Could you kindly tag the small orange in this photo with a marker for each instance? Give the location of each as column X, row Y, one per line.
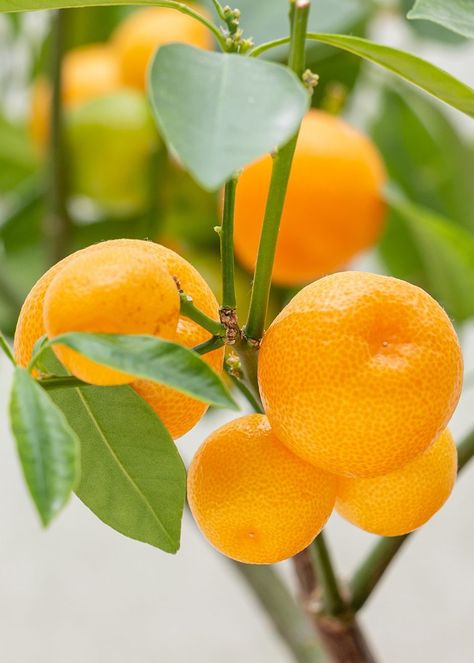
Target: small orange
column 179, row 412
column 87, row 72
column 402, row 501
column 333, row 208
column 121, row 289
column 140, row 34
column 360, row 373
column 252, row 498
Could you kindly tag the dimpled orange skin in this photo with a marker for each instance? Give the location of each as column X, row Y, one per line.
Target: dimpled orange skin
column 119, row 290
column 402, row 501
column 360, row 373
column 255, row 501
column 179, row 412
column 333, row 208
column 88, row 72
column 140, row 34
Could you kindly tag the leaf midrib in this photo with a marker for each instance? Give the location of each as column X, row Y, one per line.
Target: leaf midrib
column 141, row 496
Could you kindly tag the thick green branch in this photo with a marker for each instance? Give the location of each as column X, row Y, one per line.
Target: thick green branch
column 372, row 569
column 227, row 246
column 286, row 616
column 282, row 161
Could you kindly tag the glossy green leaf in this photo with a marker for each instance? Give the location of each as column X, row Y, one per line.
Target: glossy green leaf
column 456, row 15
column 153, row 358
column 47, row 445
column 410, row 67
column 425, row 154
column 429, row 30
column 218, row 112
column 446, row 252
column 133, row 478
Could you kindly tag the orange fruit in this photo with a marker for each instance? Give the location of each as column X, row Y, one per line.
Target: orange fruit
column 179, row 412
column 117, row 290
column 87, row 72
column 360, row 373
column 253, row 499
column 333, row 208
column 402, row 501
column 140, row 34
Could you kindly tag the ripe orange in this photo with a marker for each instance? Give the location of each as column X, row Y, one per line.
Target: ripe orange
column 399, row 502
column 333, row 208
column 252, row 498
column 140, row 34
column 88, row 72
column 119, row 290
column 178, row 412
column 360, row 373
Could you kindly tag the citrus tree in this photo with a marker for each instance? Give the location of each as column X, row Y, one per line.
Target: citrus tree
column 120, row 347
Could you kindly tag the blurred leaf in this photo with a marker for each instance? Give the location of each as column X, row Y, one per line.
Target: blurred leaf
column 153, row 358
column 219, row 112
column 133, row 478
column 34, row 5
column 47, row 446
column 446, row 255
column 17, row 158
column 421, row 73
column 429, row 30
column 425, row 154
column 456, row 15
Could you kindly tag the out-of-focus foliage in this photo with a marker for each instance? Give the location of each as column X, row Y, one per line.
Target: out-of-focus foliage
column 456, row 15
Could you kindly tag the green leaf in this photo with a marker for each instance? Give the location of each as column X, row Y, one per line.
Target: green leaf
column 456, row 15
column 425, row 154
column 446, row 252
column 133, row 478
column 219, row 112
column 33, row 5
column 421, row 73
column 47, row 446
column 153, row 358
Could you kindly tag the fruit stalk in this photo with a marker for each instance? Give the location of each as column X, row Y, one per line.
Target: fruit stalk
column 57, row 221
column 282, row 161
column 285, row 614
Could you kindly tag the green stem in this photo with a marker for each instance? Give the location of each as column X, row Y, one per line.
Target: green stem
column 372, row 569
column 277, row 192
column 227, row 246
column 284, row 613
column 57, row 222
column 247, row 393
column 6, row 349
column 211, row 344
column 333, row 603
column 189, row 310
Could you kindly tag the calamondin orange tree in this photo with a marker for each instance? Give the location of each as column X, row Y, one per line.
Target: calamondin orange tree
column 121, row 346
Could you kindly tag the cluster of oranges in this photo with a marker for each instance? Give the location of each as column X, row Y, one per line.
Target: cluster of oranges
column 359, row 375
column 122, row 287
column 110, row 135
column 96, row 70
